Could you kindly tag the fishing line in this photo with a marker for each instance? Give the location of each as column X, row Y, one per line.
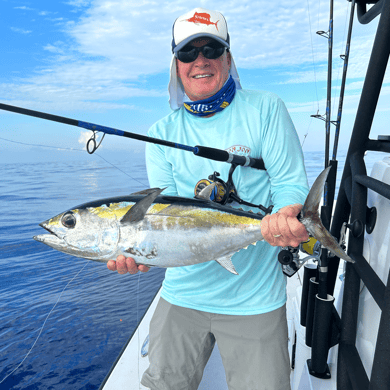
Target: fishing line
column 43, row 146
column 312, row 53
column 341, row 63
column 138, row 348
column 198, row 150
column 143, row 184
column 308, row 128
column 74, row 277
column 315, row 75
column 71, row 149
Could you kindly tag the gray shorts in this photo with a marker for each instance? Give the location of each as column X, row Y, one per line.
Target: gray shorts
column 253, row 349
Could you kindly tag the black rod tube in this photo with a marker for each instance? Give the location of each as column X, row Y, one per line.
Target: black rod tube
column 201, row 151
column 323, row 274
column 313, row 290
column 321, row 333
column 309, row 271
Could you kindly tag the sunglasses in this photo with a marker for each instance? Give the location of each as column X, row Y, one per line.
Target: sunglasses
column 211, row 51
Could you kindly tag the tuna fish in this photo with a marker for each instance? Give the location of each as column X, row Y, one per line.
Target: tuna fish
column 169, row 231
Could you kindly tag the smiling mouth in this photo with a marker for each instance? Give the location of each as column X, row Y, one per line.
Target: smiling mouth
column 202, row 76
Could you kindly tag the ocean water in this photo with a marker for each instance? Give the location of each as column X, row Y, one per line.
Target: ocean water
column 99, row 310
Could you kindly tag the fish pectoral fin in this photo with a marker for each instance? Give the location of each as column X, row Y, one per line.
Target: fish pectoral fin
column 226, row 263
column 205, row 194
column 253, row 244
column 138, row 211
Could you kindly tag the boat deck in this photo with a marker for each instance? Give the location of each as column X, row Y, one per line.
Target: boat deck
column 127, row 371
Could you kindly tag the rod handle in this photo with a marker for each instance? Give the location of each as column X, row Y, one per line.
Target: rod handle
column 224, row 156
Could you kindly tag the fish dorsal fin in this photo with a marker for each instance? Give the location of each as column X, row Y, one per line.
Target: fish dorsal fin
column 226, row 263
column 146, row 191
column 206, row 192
column 138, row 211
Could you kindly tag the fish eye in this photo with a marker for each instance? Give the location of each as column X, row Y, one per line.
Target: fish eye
column 68, row 220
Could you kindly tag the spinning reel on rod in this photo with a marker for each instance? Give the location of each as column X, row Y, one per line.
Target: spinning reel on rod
column 225, row 192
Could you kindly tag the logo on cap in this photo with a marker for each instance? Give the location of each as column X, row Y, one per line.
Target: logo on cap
column 202, row 18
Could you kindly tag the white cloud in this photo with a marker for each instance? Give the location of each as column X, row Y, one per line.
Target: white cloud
column 21, row 30
column 78, row 3
column 114, row 44
column 53, row 48
column 23, row 7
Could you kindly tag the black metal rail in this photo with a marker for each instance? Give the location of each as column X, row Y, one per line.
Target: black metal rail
column 352, row 206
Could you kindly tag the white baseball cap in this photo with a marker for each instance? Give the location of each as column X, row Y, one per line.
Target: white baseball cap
column 197, row 23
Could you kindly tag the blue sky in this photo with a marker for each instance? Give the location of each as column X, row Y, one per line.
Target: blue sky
column 107, row 62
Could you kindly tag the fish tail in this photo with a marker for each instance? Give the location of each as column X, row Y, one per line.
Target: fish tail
column 310, row 218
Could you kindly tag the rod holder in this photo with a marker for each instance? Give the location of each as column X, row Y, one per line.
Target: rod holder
column 313, row 290
column 309, row 271
column 317, row 365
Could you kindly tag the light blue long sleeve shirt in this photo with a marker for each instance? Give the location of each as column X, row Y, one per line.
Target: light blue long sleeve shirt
column 255, row 124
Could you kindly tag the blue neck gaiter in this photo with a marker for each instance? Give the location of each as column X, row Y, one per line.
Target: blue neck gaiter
column 214, row 103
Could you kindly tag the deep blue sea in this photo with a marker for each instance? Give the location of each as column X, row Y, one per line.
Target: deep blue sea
column 99, row 309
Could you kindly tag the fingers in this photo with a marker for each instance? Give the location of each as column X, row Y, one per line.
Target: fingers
column 125, row 265
column 111, row 265
column 283, row 228
column 292, row 210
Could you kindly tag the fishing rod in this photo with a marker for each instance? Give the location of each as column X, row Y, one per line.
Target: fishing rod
column 345, row 58
column 324, row 318
column 325, row 217
column 330, row 185
column 329, row 36
column 198, row 150
column 331, row 180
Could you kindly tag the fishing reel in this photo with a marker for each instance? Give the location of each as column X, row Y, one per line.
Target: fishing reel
column 290, row 260
column 222, row 191
column 225, row 192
